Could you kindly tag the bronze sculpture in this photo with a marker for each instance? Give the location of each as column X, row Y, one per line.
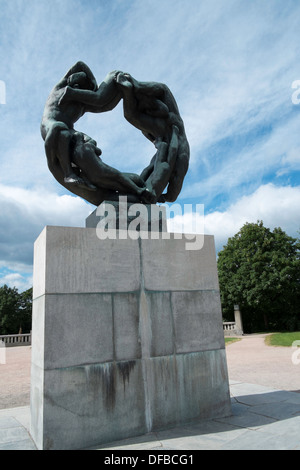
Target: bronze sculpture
column 74, row 158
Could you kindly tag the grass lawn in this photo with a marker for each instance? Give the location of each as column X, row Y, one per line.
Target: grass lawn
column 282, row 339
column 231, row 340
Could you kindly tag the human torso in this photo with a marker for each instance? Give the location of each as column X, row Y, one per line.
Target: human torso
column 68, row 113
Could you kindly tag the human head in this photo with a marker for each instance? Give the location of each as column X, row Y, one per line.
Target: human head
column 82, row 81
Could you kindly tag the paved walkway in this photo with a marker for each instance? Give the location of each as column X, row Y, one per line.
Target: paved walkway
column 251, row 361
column 265, row 407
column 15, row 376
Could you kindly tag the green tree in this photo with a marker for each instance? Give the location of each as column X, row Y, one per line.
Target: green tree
column 25, row 311
column 260, row 270
column 15, row 310
column 9, row 307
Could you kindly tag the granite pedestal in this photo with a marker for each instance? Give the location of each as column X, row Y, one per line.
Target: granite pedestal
column 127, row 337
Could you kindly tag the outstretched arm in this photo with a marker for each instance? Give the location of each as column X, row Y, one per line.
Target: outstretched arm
column 149, row 88
column 105, row 98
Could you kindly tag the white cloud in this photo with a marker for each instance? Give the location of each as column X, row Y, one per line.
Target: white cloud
column 24, row 213
column 251, row 163
column 275, row 206
column 290, row 162
column 16, row 274
column 15, row 279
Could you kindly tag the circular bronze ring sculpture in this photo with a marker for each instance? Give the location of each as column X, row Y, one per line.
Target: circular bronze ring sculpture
column 74, row 157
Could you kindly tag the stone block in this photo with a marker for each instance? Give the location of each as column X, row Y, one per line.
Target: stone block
column 126, row 326
column 79, row 329
column 127, row 337
column 197, row 321
column 39, row 330
column 161, row 331
column 169, row 266
column 89, row 404
column 188, row 387
column 78, row 262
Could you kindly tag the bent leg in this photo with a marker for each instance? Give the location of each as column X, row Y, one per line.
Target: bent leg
column 176, row 181
column 164, row 164
column 148, row 170
column 105, row 176
column 64, row 153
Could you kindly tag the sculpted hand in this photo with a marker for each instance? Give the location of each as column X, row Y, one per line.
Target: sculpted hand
column 124, row 80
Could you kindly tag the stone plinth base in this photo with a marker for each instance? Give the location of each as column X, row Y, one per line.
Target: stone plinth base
column 127, row 338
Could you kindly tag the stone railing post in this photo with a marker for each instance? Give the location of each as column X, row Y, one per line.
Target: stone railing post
column 238, row 320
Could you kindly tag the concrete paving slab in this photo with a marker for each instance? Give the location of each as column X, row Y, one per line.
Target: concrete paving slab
column 248, row 420
column 279, row 411
column 14, row 432
column 252, row 440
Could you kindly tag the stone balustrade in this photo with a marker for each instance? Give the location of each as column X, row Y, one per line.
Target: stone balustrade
column 16, row 340
column 229, row 326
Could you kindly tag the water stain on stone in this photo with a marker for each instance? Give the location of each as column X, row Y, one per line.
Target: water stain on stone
column 102, row 381
column 124, row 368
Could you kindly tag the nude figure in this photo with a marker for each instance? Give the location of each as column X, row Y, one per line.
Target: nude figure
column 151, row 107
column 74, row 157
column 57, row 125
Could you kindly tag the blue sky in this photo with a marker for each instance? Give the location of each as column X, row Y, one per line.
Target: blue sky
column 230, row 65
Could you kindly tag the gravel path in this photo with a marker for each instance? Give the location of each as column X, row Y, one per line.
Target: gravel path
column 251, row 361
column 15, row 377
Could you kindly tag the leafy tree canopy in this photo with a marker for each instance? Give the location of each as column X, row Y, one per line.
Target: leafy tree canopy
column 259, row 269
column 15, row 310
